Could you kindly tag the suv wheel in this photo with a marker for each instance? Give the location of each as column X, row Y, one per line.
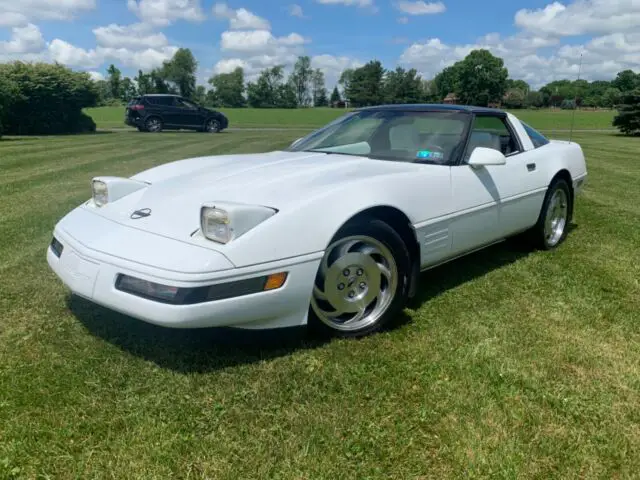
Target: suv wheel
column 212, row 126
column 153, row 124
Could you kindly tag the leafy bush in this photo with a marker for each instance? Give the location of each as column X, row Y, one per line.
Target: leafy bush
column 8, row 92
column 47, row 99
column 628, row 118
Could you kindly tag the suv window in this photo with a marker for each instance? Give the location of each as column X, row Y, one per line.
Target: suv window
column 491, row 132
column 536, row 137
column 182, row 103
column 160, row 100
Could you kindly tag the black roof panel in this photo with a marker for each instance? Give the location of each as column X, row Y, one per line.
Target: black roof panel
column 442, row 107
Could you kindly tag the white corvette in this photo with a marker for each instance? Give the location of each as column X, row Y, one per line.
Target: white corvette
column 331, row 232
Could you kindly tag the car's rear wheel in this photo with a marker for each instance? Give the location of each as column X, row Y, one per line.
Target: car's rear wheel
column 362, row 281
column 212, row 126
column 553, row 224
column 153, row 124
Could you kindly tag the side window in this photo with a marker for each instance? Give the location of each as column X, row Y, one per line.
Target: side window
column 182, row 103
column 491, row 132
column 536, row 137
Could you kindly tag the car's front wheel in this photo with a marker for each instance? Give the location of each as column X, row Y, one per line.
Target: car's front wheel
column 362, row 281
column 212, row 126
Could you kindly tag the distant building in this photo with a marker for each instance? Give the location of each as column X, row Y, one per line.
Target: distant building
column 451, row 99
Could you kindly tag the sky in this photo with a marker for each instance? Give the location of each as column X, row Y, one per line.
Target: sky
column 539, row 40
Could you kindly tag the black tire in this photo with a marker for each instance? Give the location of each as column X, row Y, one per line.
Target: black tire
column 385, row 235
column 153, row 124
column 141, row 129
column 539, row 235
column 212, row 125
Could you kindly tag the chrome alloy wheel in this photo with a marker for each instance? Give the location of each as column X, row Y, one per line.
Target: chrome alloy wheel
column 556, row 217
column 213, row 126
column 154, row 125
column 356, row 283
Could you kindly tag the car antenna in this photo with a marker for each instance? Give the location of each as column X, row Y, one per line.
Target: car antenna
column 575, row 102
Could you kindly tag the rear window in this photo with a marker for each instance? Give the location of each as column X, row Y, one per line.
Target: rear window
column 536, row 137
column 134, row 101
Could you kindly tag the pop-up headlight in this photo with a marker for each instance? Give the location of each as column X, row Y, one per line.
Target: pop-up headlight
column 225, row 222
column 109, row 189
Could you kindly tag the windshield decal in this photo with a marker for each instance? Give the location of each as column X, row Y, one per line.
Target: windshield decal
column 428, row 154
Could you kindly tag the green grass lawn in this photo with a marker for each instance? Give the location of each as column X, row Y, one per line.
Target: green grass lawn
column 509, row 364
column 308, row 118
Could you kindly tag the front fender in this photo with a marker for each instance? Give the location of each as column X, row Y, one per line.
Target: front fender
column 307, row 226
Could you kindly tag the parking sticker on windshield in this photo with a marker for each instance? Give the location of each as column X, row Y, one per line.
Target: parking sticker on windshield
column 428, row 154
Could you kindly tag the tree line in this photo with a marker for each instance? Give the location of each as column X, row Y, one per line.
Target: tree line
column 481, row 78
column 49, row 98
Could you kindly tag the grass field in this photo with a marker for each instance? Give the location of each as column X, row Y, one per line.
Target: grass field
column 112, row 117
column 509, row 364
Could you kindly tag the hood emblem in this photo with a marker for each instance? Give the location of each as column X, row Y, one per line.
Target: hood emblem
column 145, row 212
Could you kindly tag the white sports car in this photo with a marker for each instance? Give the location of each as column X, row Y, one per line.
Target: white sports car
column 331, row 232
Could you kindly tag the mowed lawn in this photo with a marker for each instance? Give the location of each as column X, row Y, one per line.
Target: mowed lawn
column 309, row 118
column 510, row 364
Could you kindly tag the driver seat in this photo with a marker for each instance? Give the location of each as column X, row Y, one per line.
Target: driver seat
column 404, row 136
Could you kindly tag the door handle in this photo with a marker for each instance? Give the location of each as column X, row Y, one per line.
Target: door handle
column 531, row 167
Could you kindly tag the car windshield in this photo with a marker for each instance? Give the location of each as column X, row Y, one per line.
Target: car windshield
column 396, row 135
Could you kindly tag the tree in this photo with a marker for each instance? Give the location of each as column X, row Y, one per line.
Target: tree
column 446, row 81
column 519, row 84
column 335, row 96
column 9, row 92
column 286, row 96
column 611, row 97
column 628, row 118
column 145, row 85
column 429, row 92
column 514, row 98
column 345, row 79
column 366, row 85
column 534, row 99
column 115, row 81
column 46, row 99
column 181, row 71
column 128, row 90
column 482, row 78
column 319, row 92
column 228, row 89
column 626, row 81
column 402, row 86
column 301, row 79
column 200, row 97
column 266, row 91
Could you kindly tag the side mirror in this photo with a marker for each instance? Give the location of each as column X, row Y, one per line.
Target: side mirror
column 482, row 156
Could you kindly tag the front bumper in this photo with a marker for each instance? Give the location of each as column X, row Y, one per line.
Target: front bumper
column 93, row 275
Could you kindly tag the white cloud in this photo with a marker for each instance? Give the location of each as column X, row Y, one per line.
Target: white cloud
column 296, row 11
column 96, row 75
column 68, row 54
column 333, row 66
column 581, row 17
column 420, row 7
column 403, row 20
column 20, row 12
column 136, row 36
column 27, row 39
column 356, row 3
column 165, row 12
column 258, row 42
column 241, row 19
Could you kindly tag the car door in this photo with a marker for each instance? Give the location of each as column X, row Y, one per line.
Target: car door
column 493, row 201
column 187, row 113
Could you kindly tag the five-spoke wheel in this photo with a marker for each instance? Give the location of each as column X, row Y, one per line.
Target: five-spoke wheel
column 361, row 279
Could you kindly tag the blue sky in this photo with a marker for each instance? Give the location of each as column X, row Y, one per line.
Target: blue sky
column 540, row 40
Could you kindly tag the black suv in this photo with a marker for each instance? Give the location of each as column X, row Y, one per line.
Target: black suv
column 154, row 112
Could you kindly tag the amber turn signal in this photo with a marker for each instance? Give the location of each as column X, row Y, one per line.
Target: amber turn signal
column 275, row 280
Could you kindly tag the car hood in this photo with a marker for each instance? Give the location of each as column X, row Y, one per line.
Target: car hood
column 281, row 180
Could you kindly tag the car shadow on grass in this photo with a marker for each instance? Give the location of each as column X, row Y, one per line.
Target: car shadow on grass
column 209, row 349
column 189, row 350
